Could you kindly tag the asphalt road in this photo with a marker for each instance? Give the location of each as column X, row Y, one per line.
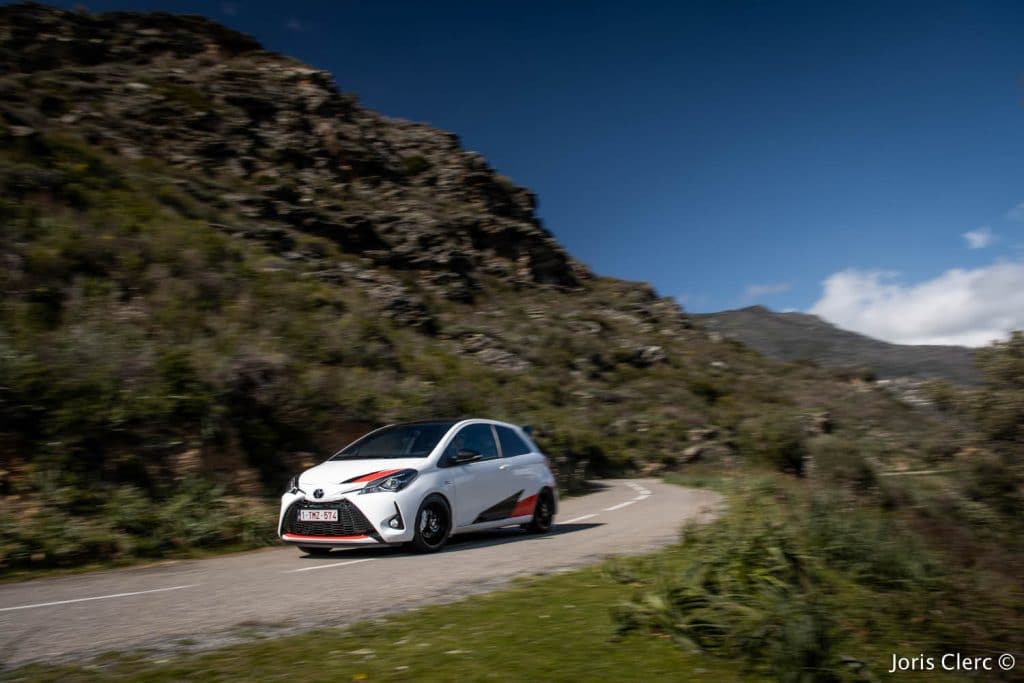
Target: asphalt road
column 182, row 605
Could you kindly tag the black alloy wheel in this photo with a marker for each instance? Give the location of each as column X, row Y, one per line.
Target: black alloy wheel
column 543, row 513
column 433, row 524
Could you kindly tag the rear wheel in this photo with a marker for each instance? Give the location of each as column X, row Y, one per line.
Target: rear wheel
column 315, row 550
column 543, row 513
column 433, row 524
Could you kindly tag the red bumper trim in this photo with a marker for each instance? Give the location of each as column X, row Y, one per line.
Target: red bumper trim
column 323, row 539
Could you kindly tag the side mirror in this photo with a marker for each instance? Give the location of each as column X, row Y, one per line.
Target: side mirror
column 466, row 455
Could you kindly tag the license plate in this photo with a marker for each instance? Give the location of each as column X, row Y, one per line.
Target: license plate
column 318, row 515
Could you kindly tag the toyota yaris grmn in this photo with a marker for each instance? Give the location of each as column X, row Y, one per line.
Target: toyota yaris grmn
column 419, row 483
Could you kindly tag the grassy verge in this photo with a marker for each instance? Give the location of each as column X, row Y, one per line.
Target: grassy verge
column 719, row 478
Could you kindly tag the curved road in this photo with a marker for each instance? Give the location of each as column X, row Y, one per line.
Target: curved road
column 190, row 604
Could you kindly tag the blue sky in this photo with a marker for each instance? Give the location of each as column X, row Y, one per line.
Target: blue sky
column 824, row 156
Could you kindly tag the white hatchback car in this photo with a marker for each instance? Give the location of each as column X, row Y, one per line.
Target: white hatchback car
column 419, row 483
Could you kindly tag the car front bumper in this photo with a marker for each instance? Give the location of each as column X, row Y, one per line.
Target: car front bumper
column 363, row 519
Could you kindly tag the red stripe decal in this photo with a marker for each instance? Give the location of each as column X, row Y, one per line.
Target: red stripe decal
column 372, row 475
column 328, row 539
column 524, row 507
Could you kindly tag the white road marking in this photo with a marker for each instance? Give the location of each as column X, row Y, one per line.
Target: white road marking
column 638, row 488
column 578, row 519
column 644, row 496
column 619, row 506
column 328, row 566
column 98, row 597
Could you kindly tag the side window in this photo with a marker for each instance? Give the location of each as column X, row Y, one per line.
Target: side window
column 511, row 443
column 477, row 438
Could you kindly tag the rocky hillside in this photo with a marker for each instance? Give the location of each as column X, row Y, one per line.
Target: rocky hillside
column 217, row 267
column 210, row 102
column 799, row 336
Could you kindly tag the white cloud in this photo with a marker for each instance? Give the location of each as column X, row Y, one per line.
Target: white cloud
column 1016, row 213
column 295, row 25
column 966, row 307
column 755, row 291
column 980, row 238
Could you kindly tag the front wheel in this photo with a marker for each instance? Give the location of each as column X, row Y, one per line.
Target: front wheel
column 315, row 550
column 543, row 513
column 433, row 524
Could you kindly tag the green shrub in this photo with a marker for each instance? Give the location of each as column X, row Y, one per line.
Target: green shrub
column 505, row 183
column 190, row 97
column 129, row 524
column 414, row 165
column 707, row 390
column 998, row 408
column 841, row 460
column 762, row 584
column 995, row 482
column 776, row 440
column 751, row 591
column 943, row 395
column 194, row 517
column 867, row 546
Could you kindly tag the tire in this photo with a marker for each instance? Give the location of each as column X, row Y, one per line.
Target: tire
column 315, row 550
column 433, row 524
column 543, row 513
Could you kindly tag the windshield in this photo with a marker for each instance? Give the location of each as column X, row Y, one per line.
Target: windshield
column 396, row 441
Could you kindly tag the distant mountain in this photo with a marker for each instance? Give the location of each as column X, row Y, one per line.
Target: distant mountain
column 800, row 336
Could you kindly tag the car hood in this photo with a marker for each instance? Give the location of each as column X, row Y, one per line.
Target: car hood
column 350, row 474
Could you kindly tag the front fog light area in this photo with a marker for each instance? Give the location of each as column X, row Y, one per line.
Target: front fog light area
column 395, row 521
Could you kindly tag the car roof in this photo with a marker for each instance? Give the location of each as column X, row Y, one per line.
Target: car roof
column 451, row 422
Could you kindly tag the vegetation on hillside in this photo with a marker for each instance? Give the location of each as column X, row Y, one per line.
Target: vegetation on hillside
column 144, row 347
column 798, row 570
column 808, row 581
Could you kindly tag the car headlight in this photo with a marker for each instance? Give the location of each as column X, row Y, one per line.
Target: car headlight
column 390, row 483
column 293, row 485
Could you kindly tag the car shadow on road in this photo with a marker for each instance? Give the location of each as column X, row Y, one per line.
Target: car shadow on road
column 468, row 541
column 585, row 488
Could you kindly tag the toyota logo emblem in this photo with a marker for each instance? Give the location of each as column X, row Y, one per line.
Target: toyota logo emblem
column 319, row 493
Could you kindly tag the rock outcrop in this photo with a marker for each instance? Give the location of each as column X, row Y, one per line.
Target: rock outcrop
column 190, row 93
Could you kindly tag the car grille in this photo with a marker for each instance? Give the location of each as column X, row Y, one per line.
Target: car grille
column 351, row 522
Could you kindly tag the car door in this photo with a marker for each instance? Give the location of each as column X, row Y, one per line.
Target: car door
column 483, row 487
column 523, row 466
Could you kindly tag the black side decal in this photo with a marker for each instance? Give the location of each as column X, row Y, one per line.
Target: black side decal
column 500, row 510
